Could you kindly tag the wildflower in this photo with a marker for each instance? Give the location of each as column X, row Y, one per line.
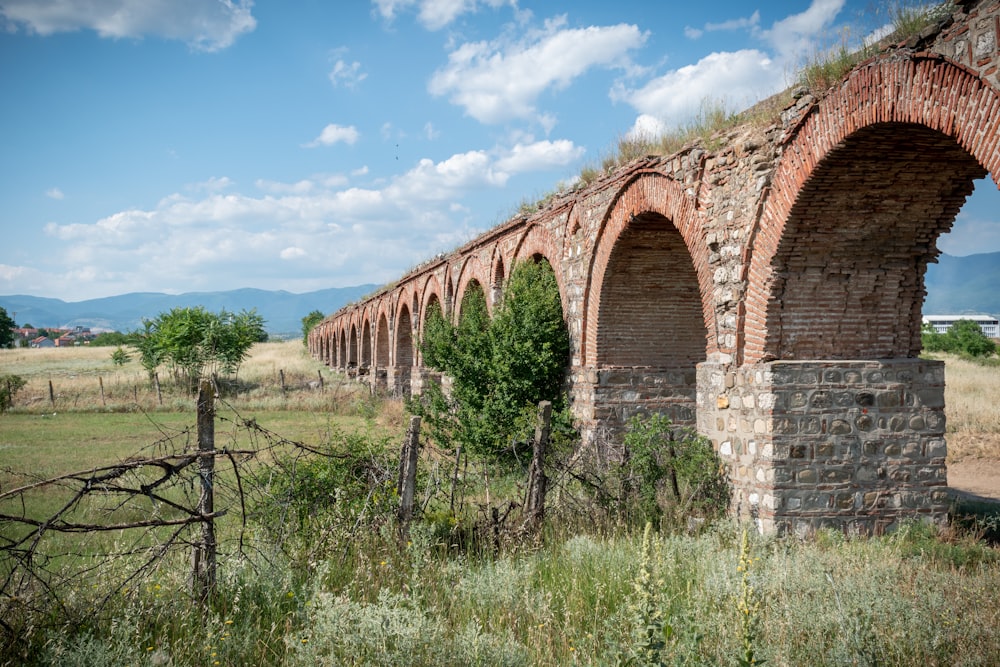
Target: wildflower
column 291, row 594
column 229, row 621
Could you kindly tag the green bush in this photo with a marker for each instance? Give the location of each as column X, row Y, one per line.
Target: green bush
column 670, row 472
column 9, row 386
column 500, row 368
column 964, row 337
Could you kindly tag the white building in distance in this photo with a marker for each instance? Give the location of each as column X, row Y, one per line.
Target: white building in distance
column 941, row 323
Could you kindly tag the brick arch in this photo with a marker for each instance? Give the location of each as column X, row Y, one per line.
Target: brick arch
column 342, row 359
column 870, row 179
column 473, row 271
column 404, row 353
column 430, row 291
column 653, row 220
column 365, row 352
column 498, row 277
column 353, row 346
column 381, row 358
column 539, row 242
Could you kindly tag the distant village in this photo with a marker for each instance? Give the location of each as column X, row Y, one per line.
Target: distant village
column 32, row 337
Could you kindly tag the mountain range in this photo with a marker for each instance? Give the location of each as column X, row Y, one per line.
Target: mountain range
column 955, row 286
column 281, row 310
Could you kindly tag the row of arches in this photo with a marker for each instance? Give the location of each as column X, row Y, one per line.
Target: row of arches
column 831, row 267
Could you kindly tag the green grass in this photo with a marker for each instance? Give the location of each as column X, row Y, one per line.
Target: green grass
column 336, row 584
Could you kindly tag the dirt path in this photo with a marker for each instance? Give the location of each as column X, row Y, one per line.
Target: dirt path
column 977, row 478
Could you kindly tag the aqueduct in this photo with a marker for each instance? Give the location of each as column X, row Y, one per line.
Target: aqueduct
column 767, row 291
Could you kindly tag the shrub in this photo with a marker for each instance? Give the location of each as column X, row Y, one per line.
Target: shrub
column 668, row 470
column 9, row 386
column 500, row 368
column 964, row 337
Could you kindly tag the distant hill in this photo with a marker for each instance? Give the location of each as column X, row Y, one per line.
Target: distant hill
column 964, row 285
column 955, row 286
column 282, row 311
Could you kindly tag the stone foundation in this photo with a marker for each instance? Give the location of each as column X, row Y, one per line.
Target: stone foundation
column 851, row 445
column 605, row 399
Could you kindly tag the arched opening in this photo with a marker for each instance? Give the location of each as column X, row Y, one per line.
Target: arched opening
column 473, row 299
column 352, row 350
column 382, row 342
column 650, row 330
column 365, row 361
column 650, row 308
column 343, row 360
column 496, row 287
column 404, row 356
column 848, row 273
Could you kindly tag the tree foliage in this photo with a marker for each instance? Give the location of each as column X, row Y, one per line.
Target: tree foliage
column 964, row 337
column 193, row 342
column 309, row 322
column 7, row 327
column 500, row 368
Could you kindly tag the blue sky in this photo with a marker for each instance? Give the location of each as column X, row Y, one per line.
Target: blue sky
column 200, row 145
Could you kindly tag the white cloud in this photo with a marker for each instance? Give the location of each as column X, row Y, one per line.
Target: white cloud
column 55, row 193
column 540, row 156
column 735, row 24
column 501, row 80
column 435, row 14
column 276, row 187
column 796, row 35
column 348, row 74
column 213, row 184
column 293, row 252
column 206, row 25
column 300, row 234
column 333, row 133
column 677, row 96
column 745, row 76
column 430, row 132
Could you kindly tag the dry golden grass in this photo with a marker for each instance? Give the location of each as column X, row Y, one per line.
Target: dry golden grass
column 971, row 393
column 77, row 375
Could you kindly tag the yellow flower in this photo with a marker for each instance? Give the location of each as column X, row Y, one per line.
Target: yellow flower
column 229, row 622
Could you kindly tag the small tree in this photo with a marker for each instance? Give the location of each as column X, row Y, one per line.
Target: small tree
column 309, row 322
column 120, row 356
column 194, row 342
column 500, row 369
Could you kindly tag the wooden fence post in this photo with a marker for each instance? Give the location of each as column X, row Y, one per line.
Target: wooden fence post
column 535, row 502
column 156, row 383
column 100, row 381
column 454, row 476
column 408, row 472
column 52, row 394
column 203, row 557
column 281, row 376
column 321, row 384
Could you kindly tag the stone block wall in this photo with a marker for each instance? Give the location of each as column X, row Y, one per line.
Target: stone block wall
column 852, row 445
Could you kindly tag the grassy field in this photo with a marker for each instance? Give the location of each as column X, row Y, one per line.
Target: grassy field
column 324, row 578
